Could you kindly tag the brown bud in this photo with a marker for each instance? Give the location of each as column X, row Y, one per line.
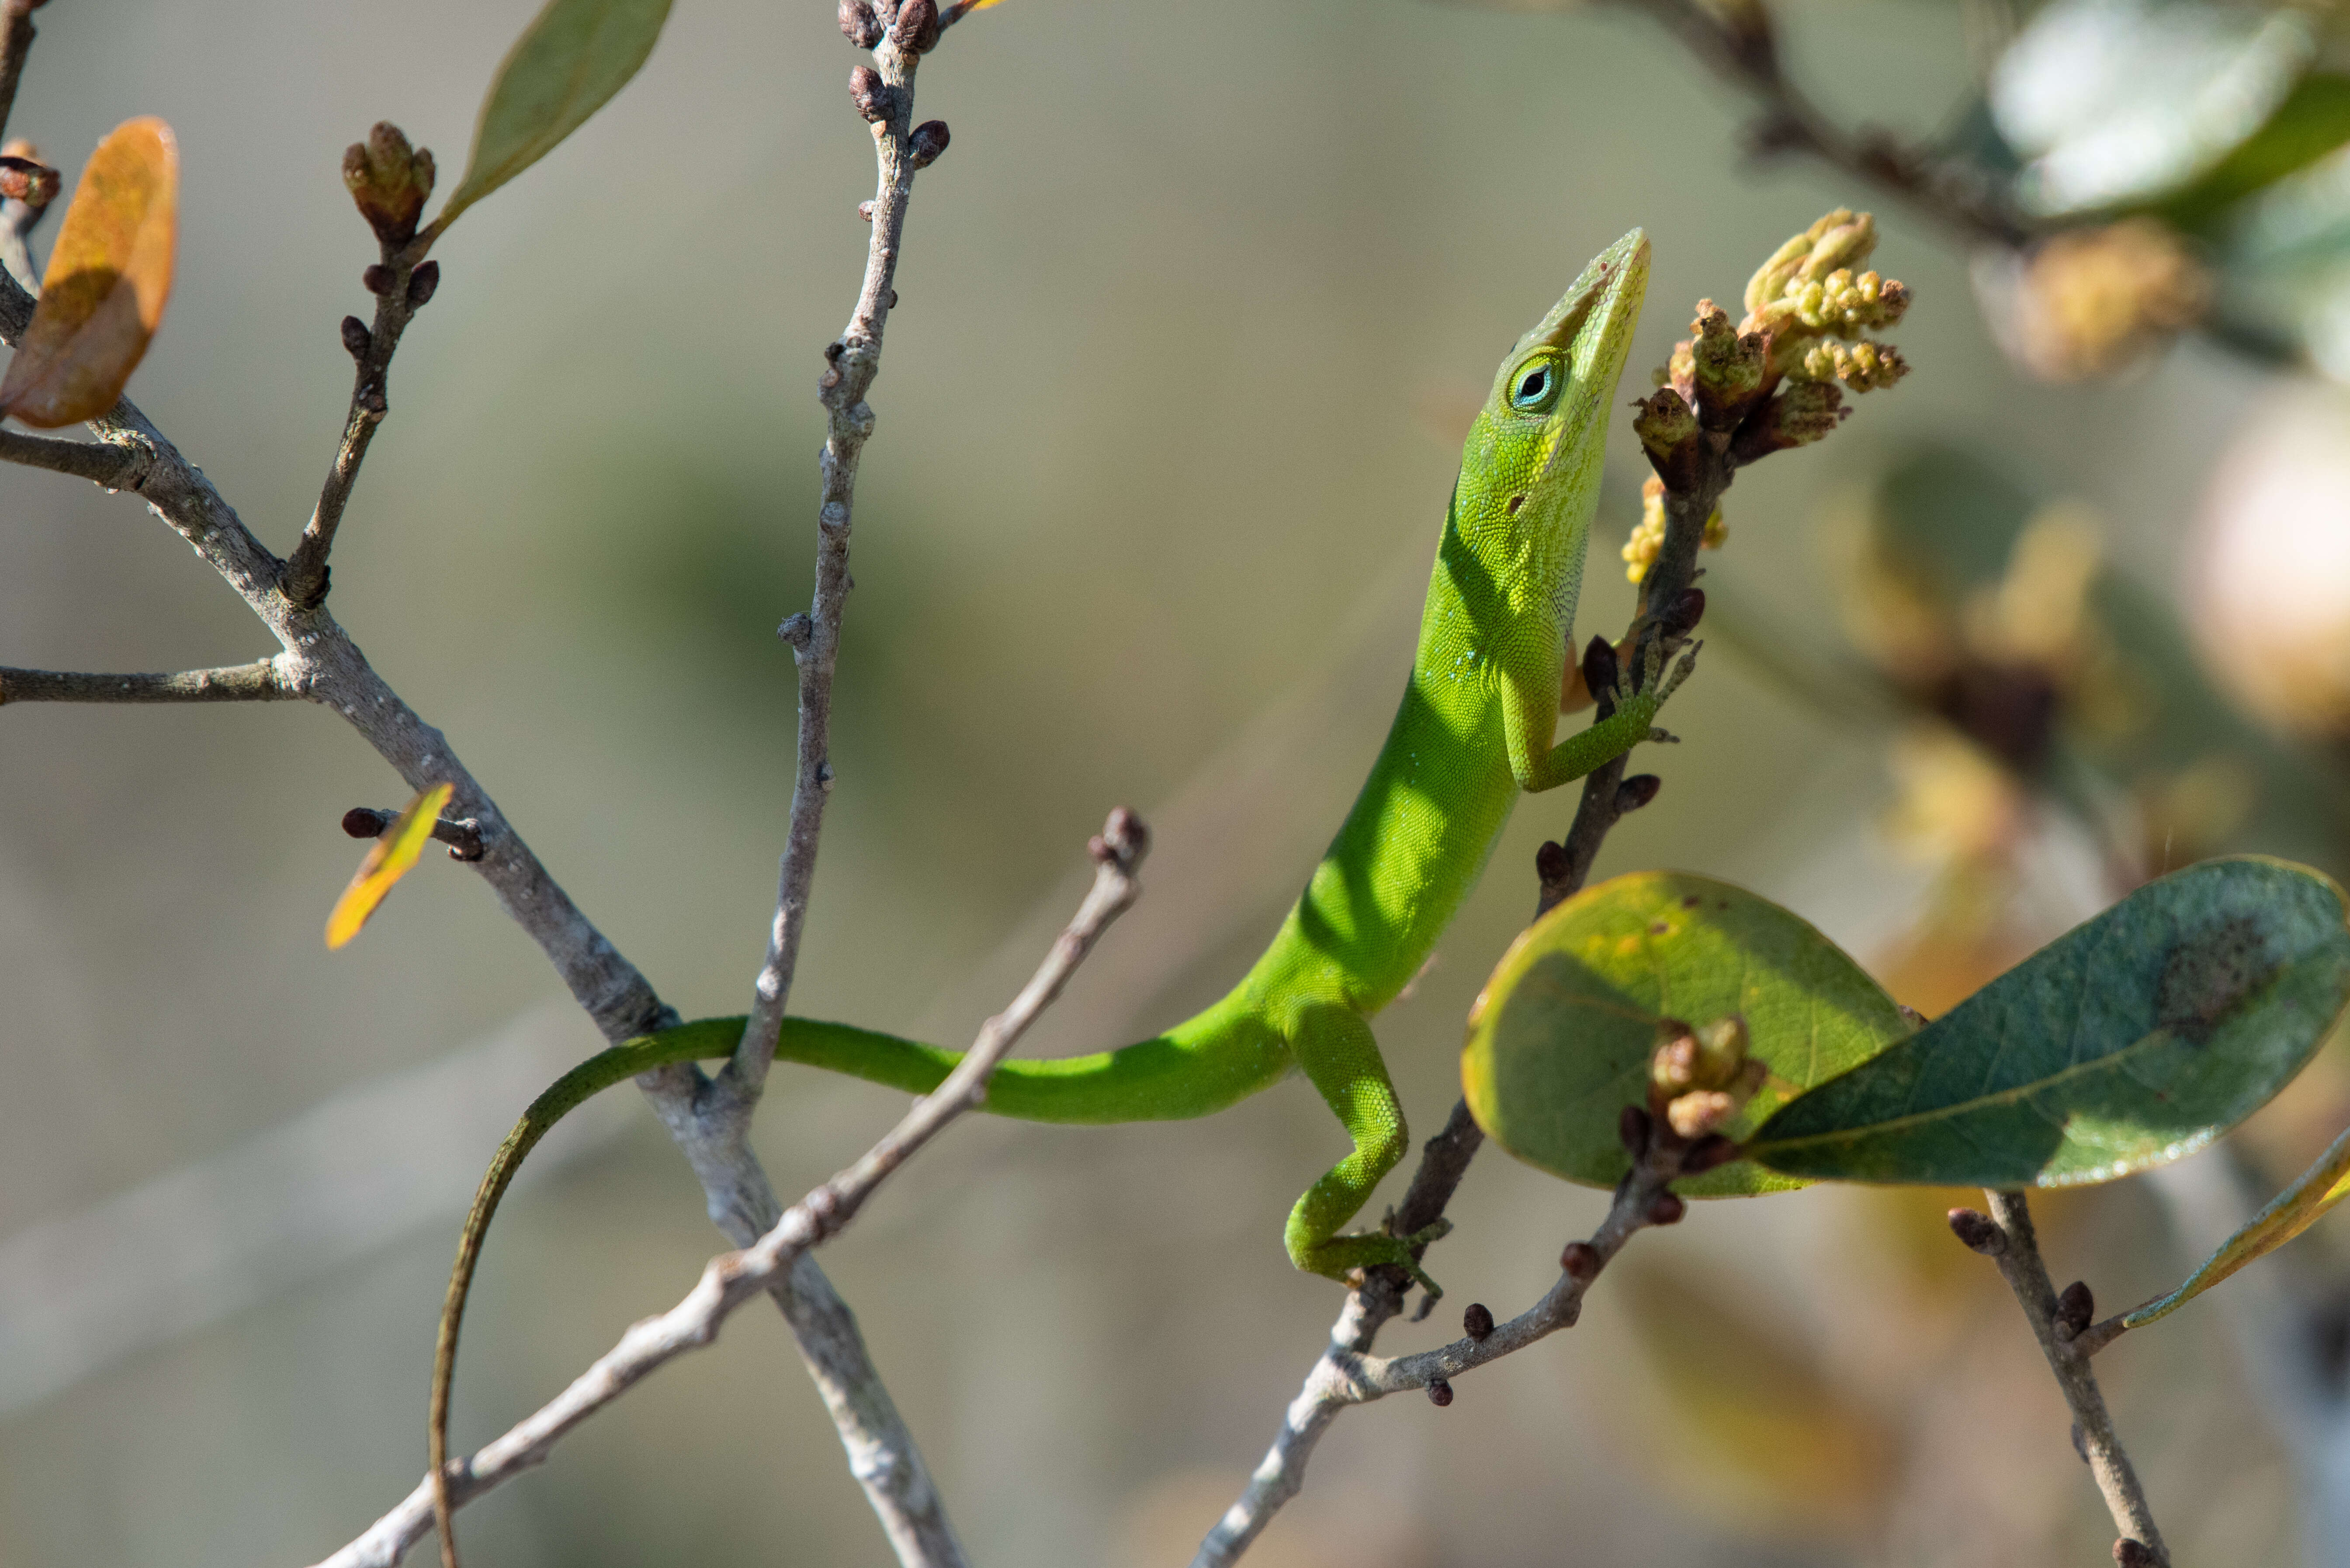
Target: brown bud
column 361, row 823
column 930, row 140
column 1979, row 1231
column 859, row 23
column 1600, row 672
column 1477, row 1321
column 865, row 210
column 377, row 278
column 1440, row 1393
column 1707, row 1153
column 1637, row 791
column 1667, row 1210
column 1634, row 1128
column 2074, row 1307
column 23, row 180
column 422, row 284
column 2129, row 1553
column 389, row 180
column 1681, row 617
column 1580, row 1260
column 916, row 30
column 873, row 97
column 1727, row 368
column 1801, row 414
column 356, row 338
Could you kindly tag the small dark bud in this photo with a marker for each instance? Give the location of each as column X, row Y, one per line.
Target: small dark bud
column 865, row 210
column 1708, row 1152
column 371, row 398
column 1124, row 839
column 798, row 630
column 360, row 823
column 1550, row 862
column 858, row 24
column 356, row 338
column 2131, row 1553
column 1668, row 1208
column 1440, row 1393
column 1599, row 670
column 834, row 350
column 2074, row 1307
column 23, row 180
column 377, row 280
column 1477, row 1322
column 1637, row 791
column 1687, row 610
column 1580, row 1260
column 916, row 30
column 1979, row 1231
column 870, row 94
column 930, row 140
column 424, row 284
column 1634, row 1128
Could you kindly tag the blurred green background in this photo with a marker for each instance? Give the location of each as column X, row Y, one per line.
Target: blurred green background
column 1190, row 315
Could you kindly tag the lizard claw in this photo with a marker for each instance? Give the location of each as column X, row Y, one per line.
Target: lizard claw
column 1681, row 671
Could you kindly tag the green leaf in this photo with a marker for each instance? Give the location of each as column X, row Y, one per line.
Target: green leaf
column 2127, row 1042
column 571, row 60
column 1560, row 1041
column 2291, row 1212
column 2313, row 120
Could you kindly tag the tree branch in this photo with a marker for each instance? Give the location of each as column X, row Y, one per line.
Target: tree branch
column 16, row 43
column 852, row 361
column 1739, row 44
column 734, row 1278
column 260, row 681
column 1346, row 1373
column 2016, row 1247
column 115, row 467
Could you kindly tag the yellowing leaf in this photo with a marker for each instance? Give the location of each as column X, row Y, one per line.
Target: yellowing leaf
column 386, row 863
column 2293, row 1211
column 567, row 64
column 109, row 276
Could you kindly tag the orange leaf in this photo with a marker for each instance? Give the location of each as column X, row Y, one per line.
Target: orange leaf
column 103, row 296
column 387, row 863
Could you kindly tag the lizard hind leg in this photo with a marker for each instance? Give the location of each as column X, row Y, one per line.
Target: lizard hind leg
column 1335, row 1048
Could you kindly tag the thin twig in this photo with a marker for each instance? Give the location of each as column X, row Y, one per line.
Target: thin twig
column 400, row 294
column 260, row 681
column 1346, row 1373
column 462, row 835
column 115, row 467
column 2020, row 1264
column 1739, row 44
column 852, row 361
column 734, row 1278
column 16, row 43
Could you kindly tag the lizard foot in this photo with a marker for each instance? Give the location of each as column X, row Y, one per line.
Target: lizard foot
column 1345, row 1258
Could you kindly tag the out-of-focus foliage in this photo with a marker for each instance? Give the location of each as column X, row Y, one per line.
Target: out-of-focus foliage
column 2130, row 1041
column 102, row 297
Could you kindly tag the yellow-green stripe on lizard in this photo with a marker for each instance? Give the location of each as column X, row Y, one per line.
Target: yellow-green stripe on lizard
column 1474, row 730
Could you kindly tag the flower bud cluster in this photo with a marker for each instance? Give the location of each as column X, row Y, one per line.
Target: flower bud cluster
column 1648, row 540
column 1700, row 1078
column 1809, row 290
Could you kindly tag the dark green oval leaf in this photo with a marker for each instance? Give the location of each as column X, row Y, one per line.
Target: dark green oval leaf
column 2127, row 1042
column 1560, row 1041
column 567, row 64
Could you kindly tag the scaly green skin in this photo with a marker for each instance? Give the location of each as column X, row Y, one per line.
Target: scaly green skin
column 1474, row 731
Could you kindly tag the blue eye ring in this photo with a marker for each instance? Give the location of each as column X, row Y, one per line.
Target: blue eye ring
column 1534, row 385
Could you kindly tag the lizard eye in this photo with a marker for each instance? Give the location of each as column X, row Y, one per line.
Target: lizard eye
column 1536, row 388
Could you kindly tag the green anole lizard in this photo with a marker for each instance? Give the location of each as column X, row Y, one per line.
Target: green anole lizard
column 1474, row 730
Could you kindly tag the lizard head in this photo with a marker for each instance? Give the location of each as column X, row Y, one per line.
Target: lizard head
column 1529, row 471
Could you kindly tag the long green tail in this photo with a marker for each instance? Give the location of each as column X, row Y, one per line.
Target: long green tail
column 1214, row 1060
